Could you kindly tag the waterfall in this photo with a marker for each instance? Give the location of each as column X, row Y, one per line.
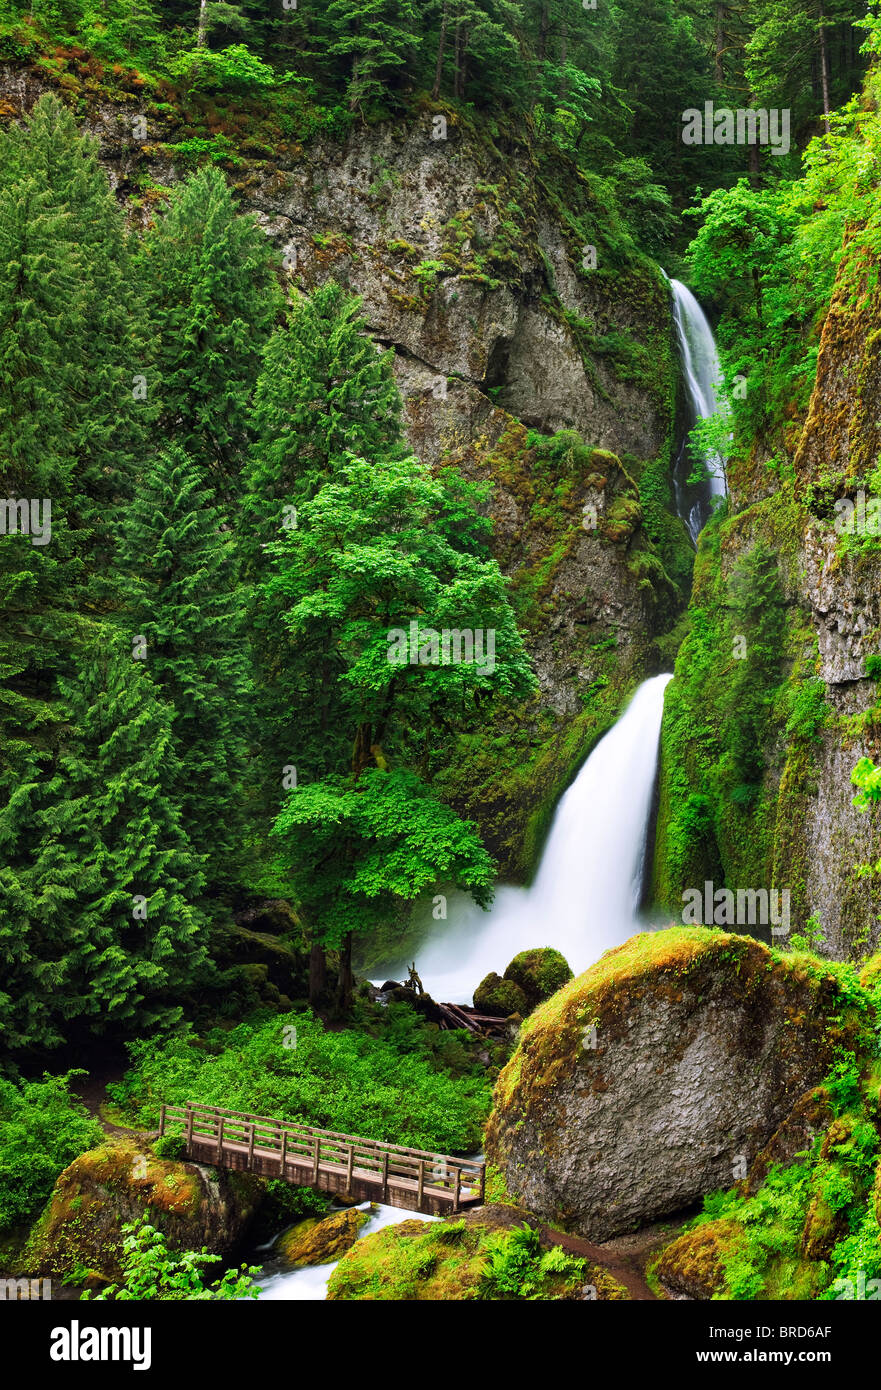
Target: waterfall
column 702, row 374
column 586, row 894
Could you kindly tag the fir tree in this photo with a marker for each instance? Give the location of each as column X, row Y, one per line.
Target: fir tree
column 178, row 592
column 213, row 297
column 100, row 930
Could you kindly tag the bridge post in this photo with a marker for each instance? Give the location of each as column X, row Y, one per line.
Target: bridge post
column 220, row 1140
column 385, row 1176
column 316, row 1160
column 251, row 1146
column 456, row 1189
column 349, row 1167
column 420, row 1187
column 482, row 1182
column 161, row 1120
column 189, row 1127
column 284, row 1152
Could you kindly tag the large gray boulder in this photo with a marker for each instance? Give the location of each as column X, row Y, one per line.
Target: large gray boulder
column 659, row 1074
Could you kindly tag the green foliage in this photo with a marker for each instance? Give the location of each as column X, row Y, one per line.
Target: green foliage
column 152, row 1271
column 43, row 1128
column 172, row 1146
column 344, row 1081
column 517, row 1267
column 233, row 69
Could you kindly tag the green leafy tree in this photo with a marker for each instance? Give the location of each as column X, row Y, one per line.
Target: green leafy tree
column 366, row 568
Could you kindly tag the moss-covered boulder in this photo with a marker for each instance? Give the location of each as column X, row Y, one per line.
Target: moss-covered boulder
column 121, row 1181
column 693, row 1265
column 318, row 1242
column 539, row 973
column 490, row 1253
column 661, row 1073
column 500, row 997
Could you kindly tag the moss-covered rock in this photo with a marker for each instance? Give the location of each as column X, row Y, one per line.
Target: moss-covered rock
column 539, row 973
column 318, row 1242
column 502, row 997
column 647, row 1081
column 103, row 1189
column 490, row 1253
column 692, row 1266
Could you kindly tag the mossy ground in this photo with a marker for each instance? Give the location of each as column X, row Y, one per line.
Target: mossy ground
column 479, row 1256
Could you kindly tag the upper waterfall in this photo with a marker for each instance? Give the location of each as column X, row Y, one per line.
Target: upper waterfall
column 702, row 375
column 586, row 894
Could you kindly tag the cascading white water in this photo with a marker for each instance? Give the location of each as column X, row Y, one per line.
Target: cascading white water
column 702, row 375
column 585, row 897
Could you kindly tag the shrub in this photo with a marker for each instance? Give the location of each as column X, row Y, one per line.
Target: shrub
column 42, row 1129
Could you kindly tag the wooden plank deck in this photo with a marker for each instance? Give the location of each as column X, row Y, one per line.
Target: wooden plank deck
column 344, row 1164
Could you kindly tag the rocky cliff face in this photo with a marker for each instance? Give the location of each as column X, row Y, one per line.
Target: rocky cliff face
column 474, row 260
column 660, row 1075
column 801, row 830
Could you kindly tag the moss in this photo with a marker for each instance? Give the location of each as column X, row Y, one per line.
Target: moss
column 501, row 997
column 538, row 973
column 417, row 1261
column 829, row 1013
column 694, row 1263
column 315, row 1241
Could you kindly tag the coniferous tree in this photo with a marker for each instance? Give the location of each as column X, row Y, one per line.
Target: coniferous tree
column 69, row 429
column 101, row 927
column 178, row 594
column 378, row 39
column 324, row 389
column 213, row 297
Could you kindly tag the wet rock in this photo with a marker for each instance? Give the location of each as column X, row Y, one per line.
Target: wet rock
column 538, row 973
column 318, row 1242
column 500, row 997
column 659, row 1074
column 122, row 1181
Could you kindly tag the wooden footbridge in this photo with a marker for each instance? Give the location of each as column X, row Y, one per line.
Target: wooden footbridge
column 362, row 1169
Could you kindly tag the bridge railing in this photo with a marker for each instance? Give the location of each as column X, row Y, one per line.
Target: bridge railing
column 305, row 1146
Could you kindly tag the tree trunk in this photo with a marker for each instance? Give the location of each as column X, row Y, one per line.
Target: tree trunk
column 463, row 76
column 361, row 752
column 564, row 38
column 543, row 32
column 317, row 973
column 720, row 41
column 203, row 15
column 824, row 72
column 345, row 981
column 457, row 79
column 439, row 70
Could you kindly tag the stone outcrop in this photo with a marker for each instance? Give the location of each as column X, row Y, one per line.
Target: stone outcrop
column 119, row 1182
column 660, row 1074
column 317, row 1242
